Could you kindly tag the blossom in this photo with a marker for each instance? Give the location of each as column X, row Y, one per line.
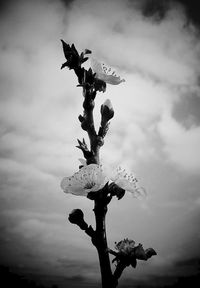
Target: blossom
column 125, row 247
column 89, row 178
column 128, row 254
column 93, row 177
column 107, row 111
column 127, row 181
column 104, row 73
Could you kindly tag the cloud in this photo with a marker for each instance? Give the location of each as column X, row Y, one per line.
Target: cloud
column 159, row 61
column 181, row 144
column 43, row 238
column 157, row 50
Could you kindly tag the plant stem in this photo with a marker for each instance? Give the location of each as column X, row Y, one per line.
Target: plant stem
column 100, row 242
column 86, row 80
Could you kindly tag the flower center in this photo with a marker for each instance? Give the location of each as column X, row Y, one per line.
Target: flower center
column 89, row 185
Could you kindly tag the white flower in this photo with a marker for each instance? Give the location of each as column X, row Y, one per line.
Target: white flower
column 88, row 178
column 93, row 177
column 127, row 181
column 107, row 111
column 108, row 104
column 104, row 73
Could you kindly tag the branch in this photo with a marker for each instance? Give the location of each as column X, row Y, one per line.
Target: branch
column 90, row 86
column 83, row 147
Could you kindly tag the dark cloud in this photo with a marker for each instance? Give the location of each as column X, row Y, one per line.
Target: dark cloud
column 79, row 265
column 155, row 8
column 23, row 278
column 67, row 2
column 158, row 9
column 186, row 110
column 193, row 263
column 192, row 10
column 26, row 278
column 4, row 4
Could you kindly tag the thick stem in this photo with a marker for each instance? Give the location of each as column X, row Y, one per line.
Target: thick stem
column 101, row 244
column 86, row 80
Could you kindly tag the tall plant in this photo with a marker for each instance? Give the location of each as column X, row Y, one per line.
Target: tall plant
column 92, row 180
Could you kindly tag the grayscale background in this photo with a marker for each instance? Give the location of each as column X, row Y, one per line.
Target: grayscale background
column 155, row 46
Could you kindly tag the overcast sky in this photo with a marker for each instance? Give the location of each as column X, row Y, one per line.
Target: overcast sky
column 155, row 133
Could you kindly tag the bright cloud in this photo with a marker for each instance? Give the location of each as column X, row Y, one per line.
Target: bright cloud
column 181, row 144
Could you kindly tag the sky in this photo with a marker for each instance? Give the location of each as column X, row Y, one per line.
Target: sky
column 155, row 133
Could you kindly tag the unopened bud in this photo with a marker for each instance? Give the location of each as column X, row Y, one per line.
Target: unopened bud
column 107, row 111
column 76, row 216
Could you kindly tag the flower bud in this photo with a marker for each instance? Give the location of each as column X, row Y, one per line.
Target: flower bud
column 76, row 216
column 107, row 111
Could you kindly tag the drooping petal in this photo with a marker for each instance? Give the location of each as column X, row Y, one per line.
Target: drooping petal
column 140, row 253
column 104, row 73
column 128, row 182
column 88, row 178
column 150, row 252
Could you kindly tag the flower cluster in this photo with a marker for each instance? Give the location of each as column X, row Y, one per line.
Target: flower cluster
column 128, row 253
column 92, row 178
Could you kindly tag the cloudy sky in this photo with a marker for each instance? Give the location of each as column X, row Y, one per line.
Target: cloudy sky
column 155, row 46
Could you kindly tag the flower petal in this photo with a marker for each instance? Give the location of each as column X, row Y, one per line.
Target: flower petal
column 140, row 253
column 125, row 246
column 82, row 161
column 68, row 185
column 88, row 178
column 128, row 182
column 150, row 252
column 104, row 73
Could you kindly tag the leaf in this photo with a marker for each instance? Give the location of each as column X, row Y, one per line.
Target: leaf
column 64, row 65
column 140, row 253
column 66, row 49
column 74, row 51
column 150, row 252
